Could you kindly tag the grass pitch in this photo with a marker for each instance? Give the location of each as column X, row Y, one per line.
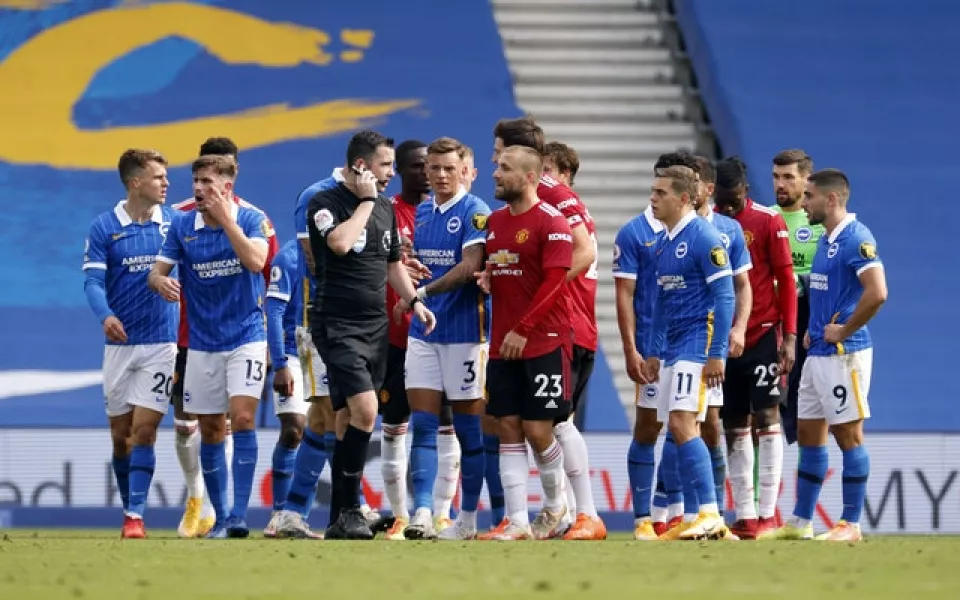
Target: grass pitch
column 41, row 565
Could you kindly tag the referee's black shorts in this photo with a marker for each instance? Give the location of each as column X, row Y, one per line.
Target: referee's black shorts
column 355, row 354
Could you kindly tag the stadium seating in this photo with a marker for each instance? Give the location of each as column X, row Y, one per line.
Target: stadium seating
column 864, row 86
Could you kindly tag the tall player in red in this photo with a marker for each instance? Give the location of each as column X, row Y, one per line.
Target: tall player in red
column 752, row 389
column 530, row 249
column 411, row 166
column 582, row 279
column 197, row 518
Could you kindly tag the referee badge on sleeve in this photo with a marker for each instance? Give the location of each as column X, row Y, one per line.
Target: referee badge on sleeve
column 718, row 256
column 323, row 219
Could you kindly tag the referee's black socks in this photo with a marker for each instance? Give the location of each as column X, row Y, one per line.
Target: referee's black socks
column 354, row 449
column 336, row 482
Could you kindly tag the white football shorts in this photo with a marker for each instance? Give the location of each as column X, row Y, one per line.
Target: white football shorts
column 139, row 375
column 836, row 387
column 459, row 370
column 315, row 381
column 681, row 388
column 295, row 403
column 212, row 378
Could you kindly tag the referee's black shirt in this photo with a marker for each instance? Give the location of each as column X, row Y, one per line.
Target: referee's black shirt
column 351, row 286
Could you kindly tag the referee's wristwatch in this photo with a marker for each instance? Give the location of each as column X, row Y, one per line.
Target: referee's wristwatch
column 414, row 300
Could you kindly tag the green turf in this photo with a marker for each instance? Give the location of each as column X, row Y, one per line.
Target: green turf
column 96, row 565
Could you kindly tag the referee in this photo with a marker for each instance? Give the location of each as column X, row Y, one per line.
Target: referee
column 356, row 249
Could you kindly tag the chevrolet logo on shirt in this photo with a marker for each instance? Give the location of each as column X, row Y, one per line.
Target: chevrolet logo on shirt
column 502, row 258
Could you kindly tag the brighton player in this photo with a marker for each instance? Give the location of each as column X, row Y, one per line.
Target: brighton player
column 582, row 280
column 450, row 360
column 790, row 171
column 284, row 306
column 847, row 288
column 222, row 248
column 529, row 248
column 752, row 391
column 640, row 459
column 198, row 515
column 635, row 278
column 693, row 315
column 140, row 328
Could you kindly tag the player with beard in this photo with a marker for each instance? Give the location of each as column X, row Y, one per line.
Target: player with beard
column 790, row 171
column 582, row 279
column 529, row 249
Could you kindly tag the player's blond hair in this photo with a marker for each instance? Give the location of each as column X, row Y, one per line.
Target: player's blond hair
column 223, row 165
column 446, row 145
column 683, row 180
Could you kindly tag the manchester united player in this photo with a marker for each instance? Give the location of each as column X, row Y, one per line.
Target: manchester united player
column 582, row 279
column 530, row 249
column 752, row 389
column 561, row 162
column 193, row 523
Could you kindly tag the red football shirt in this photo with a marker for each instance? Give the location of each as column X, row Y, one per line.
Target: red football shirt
column 583, row 289
column 768, row 240
column 520, row 248
column 273, row 246
column 406, row 214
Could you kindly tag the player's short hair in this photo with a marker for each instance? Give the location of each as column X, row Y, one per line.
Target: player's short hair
column 831, row 180
column 530, row 159
column 705, row 169
column 134, row 160
column 520, row 132
column 364, row 145
column 683, row 180
column 681, row 158
column 223, row 165
column 731, row 173
column 794, row 156
column 467, row 152
column 405, row 150
column 565, row 157
column 446, row 145
column 220, row 146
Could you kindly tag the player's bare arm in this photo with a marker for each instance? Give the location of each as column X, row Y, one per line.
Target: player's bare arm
column 627, row 323
column 460, row 275
column 159, row 280
column 483, row 278
column 874, row 282
column 346, row 234
column 400, row 281
column 584, row 252
column 744, row 304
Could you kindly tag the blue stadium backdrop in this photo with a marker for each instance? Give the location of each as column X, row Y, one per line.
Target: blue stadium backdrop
column 291, row 80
